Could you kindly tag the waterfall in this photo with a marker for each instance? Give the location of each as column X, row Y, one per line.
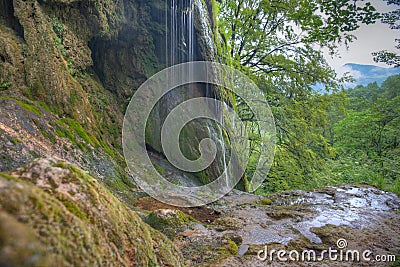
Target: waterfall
column 181, row 46
column 221, row 129
column 180, row 39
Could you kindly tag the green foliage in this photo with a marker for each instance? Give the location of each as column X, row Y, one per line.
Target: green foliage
column 278, row 45
column 367, row 138
column 58, row 28
column 392, row 18
column 5, row 85
column 278, row 39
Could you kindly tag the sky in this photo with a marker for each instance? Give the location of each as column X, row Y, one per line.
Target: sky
column 370, row 38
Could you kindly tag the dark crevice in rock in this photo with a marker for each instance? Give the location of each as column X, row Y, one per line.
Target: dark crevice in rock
column 8, row 18
column 114, row 63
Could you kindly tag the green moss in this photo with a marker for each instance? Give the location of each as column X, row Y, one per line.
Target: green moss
column 75, row 210
column 68, row 227
column 230, row 248
column 76, row 128
column 61, row 164
column 7, row 176
column 266, row 201
column 235, row 237
column 108, row 149
column 169, row 222
column 44, row 106
column 29, row 107
column 15, row 141
column 36, row 91
column 20, row 246
column 63, row 132
column 160, row 169
column 226, row 223
column 44, row 130
column 80, row 131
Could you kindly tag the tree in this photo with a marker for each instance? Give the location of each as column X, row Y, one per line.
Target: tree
column 278, row 38
column 369, row 133
column 391, row 18
column 277, row 43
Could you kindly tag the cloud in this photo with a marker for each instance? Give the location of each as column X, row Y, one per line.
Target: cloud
column 348, row 69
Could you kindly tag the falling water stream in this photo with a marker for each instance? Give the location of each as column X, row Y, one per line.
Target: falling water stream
column 181, row 46
column 180, row 40
column 222, row 141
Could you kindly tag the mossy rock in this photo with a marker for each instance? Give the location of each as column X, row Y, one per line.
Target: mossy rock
column 231, row 248
column 226, row 223
column 170, row 222
column 329, row 234
column 265, row 201
column 77, row 220
column 301, row 243
column 234, row 237
column 19, row 245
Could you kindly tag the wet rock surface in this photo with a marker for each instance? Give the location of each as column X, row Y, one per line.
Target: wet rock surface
column 366, row 217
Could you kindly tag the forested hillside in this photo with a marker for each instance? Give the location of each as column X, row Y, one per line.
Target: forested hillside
column 366, row 136
column 359, row 128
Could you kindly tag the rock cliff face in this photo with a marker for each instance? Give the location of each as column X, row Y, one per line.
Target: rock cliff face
column 67, row 71
column 83, row 60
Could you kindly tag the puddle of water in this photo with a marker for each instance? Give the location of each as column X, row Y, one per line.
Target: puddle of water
column 257, row 235
column 358, row 202
column 352, row 191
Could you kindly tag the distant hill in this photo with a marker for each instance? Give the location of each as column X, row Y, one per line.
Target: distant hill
column 363, row 75
column 366, row 74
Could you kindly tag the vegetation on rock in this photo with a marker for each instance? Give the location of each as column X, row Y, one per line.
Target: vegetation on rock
column 79, row 222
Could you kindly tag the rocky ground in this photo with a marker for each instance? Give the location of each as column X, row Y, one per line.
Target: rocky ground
column 52, row 212
column 232, row 231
